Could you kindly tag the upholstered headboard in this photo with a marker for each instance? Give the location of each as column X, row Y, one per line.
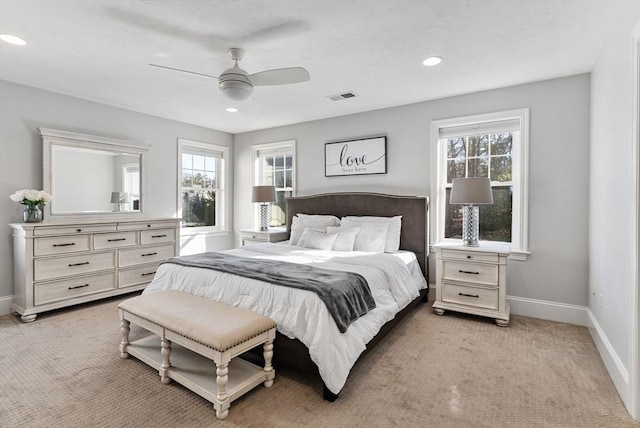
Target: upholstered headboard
column 414, row 235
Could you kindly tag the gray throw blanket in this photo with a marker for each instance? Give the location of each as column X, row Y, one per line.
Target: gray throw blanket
column 346, row 294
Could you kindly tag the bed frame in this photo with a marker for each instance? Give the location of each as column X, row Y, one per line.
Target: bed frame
column 413, row 237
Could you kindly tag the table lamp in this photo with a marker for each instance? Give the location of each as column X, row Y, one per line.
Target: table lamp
column 263, row 195
column 471, row 192
column 119, row 198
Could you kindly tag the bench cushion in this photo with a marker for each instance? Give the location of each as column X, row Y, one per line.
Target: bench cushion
column 213, row 324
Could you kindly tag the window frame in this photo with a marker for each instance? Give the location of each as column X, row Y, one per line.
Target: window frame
column 257, row 175
column 222, row 195
column 520, row 177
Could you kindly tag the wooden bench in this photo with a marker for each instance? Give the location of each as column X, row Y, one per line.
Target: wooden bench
column 191, row 331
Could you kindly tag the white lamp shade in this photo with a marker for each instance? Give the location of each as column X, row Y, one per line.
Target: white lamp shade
column 263, row 194
column 476, row 190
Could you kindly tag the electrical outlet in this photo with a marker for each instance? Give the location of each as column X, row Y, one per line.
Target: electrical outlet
column 601, row 300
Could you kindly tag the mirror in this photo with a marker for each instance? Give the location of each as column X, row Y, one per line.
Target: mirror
column 91, row 175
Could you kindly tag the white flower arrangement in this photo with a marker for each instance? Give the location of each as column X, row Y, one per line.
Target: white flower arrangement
column 31, row 197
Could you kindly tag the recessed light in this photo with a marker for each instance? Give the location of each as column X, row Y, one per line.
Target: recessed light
column 231, row 109
column 432, row 60
column 12, row 39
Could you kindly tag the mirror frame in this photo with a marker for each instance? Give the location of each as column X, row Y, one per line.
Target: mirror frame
column 56, row 137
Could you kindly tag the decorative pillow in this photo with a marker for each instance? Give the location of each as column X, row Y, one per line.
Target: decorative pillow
column 300, row 222
column 372, row 237
column 318, row 240
column 392, row 244
column 346, row 237
column 306, row 231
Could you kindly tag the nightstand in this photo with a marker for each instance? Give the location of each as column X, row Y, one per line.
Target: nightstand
column 472, row 280
column 253, row 236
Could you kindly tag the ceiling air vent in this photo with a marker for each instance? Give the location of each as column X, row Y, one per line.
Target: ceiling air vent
column 341, row 96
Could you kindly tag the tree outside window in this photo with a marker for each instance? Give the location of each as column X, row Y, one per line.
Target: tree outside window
column 199, row 188
column 485, row 155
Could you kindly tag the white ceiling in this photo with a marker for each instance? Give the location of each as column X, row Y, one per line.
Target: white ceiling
column 100, row 50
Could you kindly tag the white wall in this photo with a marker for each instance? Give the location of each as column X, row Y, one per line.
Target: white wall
column 24, row 109
column 556, row 270
column 612, row 204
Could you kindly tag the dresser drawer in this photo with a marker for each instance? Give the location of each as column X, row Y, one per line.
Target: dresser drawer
column 136, row 276
column 61, row 245
column 158, row 224
column 47, row 292
column 478, row 297
column 478, row 273
column 114, row 240
column 50, row 268
column 70, row 230
column 470, row 256
column 157, row 235
column 150, row 254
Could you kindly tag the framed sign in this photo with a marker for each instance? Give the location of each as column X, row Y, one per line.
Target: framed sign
column 356, row 157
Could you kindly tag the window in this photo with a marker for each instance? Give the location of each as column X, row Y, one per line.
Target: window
column 275, row 165
column 491, row 145
column 201, row 201
column 131, row 180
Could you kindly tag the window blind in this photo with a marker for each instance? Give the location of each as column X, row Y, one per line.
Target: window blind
column 510, row 125
column 199, row 151
column 276, row 151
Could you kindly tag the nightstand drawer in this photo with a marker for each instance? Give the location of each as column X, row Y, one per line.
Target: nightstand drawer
column 477, row 273
column 471, row 296
column 470, row 256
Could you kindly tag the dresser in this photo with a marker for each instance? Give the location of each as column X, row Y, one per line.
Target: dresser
column 472, row 280
column 253, row 236
column 61, row 264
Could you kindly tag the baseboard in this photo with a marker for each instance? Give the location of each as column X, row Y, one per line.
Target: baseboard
column 613, row 363
column 546, row 310
column 5, row 305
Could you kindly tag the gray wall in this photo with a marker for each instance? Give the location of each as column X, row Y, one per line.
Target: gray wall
column 557, row 269
column 613, row 214
column 24, row 109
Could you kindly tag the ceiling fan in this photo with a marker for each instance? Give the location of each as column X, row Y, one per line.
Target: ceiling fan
column 237, row 84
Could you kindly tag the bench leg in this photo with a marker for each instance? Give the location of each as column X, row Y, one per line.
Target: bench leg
column 268, row 368
column 222, row 378
column 166, row 363
column 124, row 331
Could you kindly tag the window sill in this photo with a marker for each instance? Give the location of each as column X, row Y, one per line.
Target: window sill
column 202, row 231
column 514, row 254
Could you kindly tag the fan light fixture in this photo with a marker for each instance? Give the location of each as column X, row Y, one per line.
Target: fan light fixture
column 231, row 109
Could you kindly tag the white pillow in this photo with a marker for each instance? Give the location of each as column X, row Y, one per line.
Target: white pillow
column 300, row 222
column 318, row 240
column 372, row 237
column 392, row 244
column 306, row 231
column 346, row 237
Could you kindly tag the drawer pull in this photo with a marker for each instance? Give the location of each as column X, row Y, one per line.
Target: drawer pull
column 64, row 245
column 116, row 239
column 78, row 230
column 158, row 236
column 78, row 286
column 468, row 256
column 149, row 254
column 78, row 264
column 469, row 272
column 469, row 295
column 148, row 273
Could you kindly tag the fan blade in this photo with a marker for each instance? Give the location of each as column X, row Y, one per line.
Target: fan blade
column 183, row 71
column 280, row 76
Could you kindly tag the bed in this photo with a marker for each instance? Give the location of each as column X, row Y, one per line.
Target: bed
column 310, row 337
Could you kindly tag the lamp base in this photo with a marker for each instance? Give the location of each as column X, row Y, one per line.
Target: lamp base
column 470, row 223
column 264, row 217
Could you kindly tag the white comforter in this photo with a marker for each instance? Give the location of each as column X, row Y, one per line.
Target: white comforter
column 394, row 280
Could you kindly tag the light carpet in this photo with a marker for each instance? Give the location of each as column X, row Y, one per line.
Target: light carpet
column 64, row 370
